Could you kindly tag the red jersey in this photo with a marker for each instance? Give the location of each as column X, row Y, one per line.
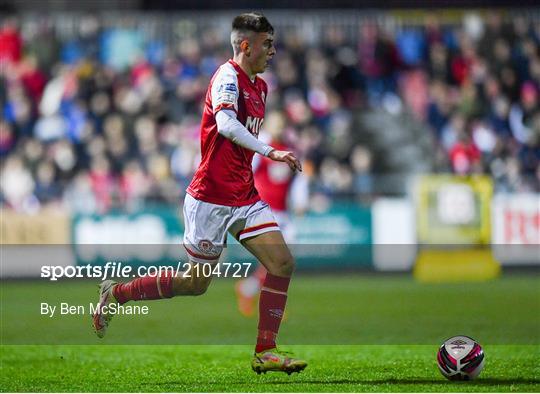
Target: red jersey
column 273, row 180
column 225, row 176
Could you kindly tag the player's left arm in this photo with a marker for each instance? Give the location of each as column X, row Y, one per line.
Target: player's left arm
column 231, row 128
column 257, row 159
column 286, row 157
column 224, row 93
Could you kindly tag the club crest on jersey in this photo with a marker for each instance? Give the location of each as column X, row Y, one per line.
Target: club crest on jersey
column 206, row 246
column 254, row 124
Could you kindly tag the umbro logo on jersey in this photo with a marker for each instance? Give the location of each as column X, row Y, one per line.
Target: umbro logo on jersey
column 247, row 97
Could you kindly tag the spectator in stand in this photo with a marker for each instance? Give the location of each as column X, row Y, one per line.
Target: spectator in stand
column 11, row 42
column 113, row 113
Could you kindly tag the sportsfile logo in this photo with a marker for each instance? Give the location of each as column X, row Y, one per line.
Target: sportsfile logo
column 113, row 269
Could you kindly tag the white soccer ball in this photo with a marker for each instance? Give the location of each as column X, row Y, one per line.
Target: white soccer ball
column 460, row 358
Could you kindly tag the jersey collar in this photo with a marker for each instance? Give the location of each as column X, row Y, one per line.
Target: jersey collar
column 240, row 71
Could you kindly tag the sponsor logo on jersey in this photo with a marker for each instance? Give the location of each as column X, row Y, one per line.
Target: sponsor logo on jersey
column 254, row 125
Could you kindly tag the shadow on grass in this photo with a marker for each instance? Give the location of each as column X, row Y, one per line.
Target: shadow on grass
column 412, row 381
column 436, row 382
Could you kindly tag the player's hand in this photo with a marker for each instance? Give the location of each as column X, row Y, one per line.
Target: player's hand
column 287, row 157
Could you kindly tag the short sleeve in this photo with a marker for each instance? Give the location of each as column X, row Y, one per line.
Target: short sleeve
column 225, row 89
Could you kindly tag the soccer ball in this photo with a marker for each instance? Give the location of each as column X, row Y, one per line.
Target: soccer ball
column 460, row 358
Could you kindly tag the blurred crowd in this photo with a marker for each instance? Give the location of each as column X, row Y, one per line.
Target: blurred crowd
column 110, row 118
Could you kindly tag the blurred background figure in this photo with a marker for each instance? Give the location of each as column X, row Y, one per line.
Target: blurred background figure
column 285, row 192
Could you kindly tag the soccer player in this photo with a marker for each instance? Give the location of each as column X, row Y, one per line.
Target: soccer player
column 222, row 197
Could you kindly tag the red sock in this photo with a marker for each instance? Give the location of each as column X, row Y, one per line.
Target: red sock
column 271, row 306
column 145, row 288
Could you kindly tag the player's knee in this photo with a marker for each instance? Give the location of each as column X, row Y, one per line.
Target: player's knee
column 199, row 286
column 283, row 267
column 289, row 266
column 199, row 290
column 196, row 289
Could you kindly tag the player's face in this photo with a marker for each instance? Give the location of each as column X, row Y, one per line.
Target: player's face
column 262, row 51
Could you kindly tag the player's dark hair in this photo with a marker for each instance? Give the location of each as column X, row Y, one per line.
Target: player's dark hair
column 252, row 21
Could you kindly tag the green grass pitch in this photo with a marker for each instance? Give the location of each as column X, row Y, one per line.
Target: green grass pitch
column 161, row 368
column 359, row 333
